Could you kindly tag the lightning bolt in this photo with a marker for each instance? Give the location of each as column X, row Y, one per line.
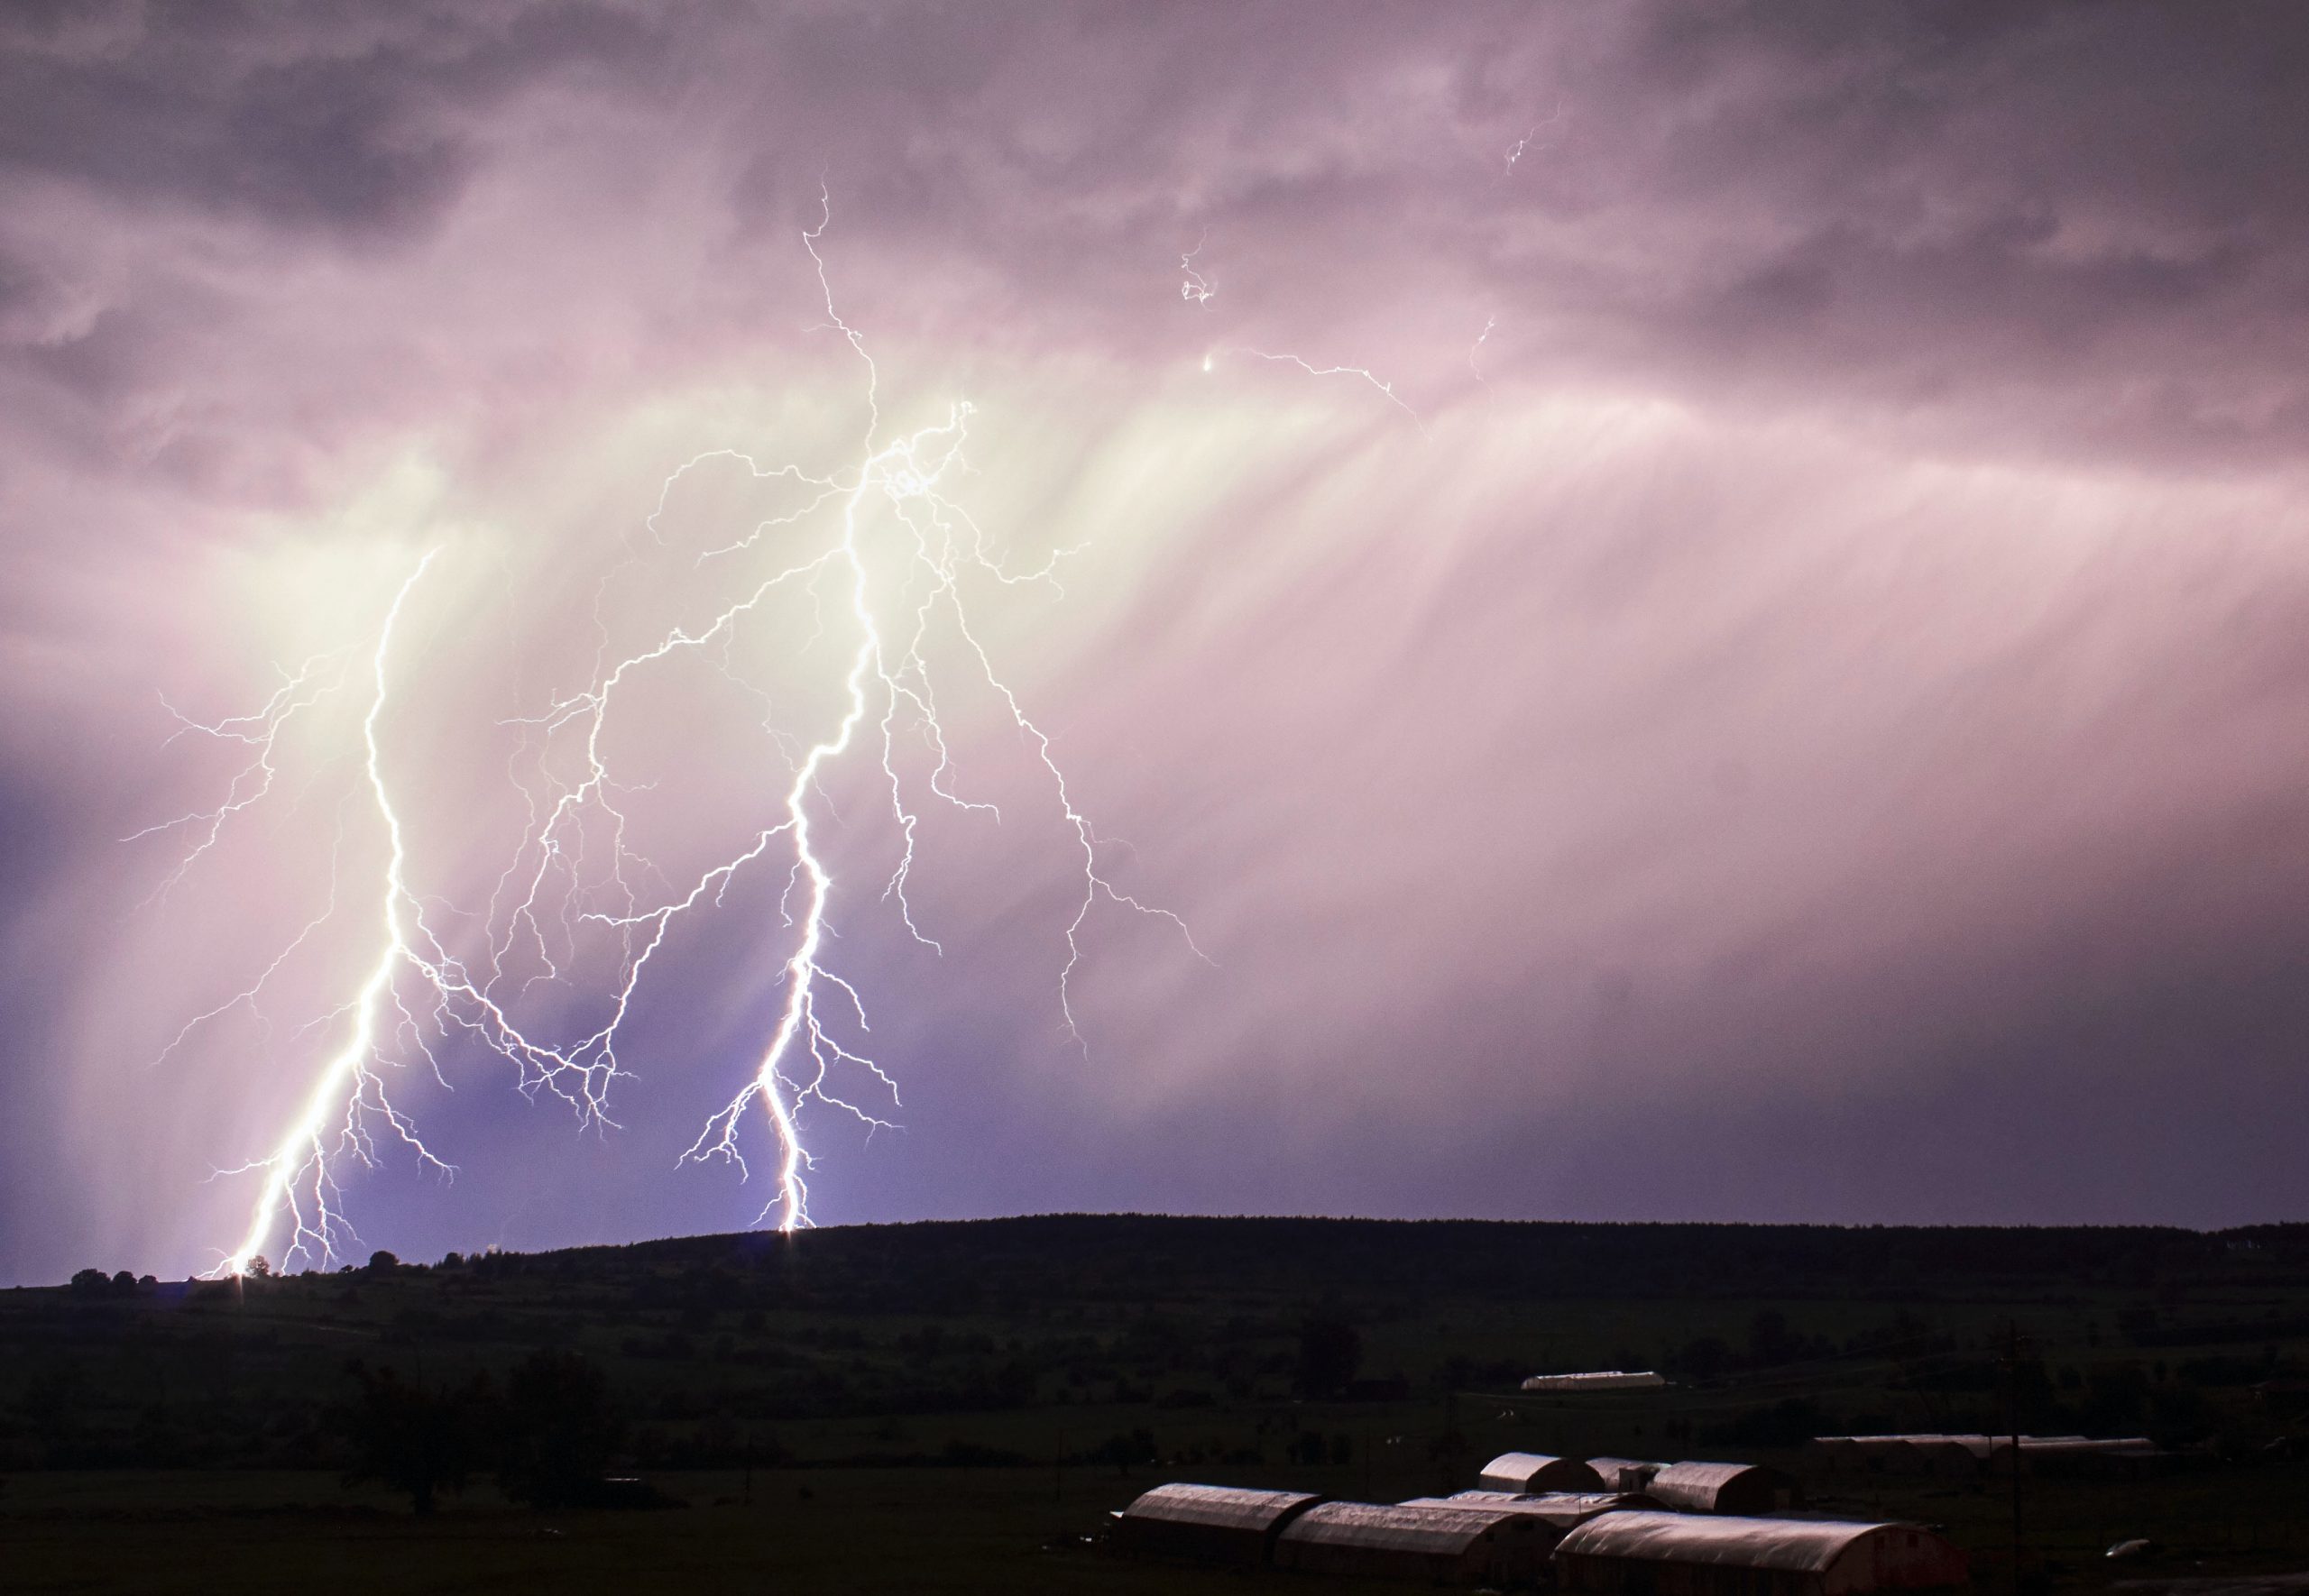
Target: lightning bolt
column 347, row 1088
column 899, row 554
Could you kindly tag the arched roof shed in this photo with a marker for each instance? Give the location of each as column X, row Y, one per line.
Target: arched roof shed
column 1681, row 1554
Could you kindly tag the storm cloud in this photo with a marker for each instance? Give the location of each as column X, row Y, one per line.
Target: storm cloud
column 1707, row 620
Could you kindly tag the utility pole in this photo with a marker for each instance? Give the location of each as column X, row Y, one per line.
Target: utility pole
column 2012, row 1416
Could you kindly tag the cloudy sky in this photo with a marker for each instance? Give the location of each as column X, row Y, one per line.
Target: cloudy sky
column 1703, row 611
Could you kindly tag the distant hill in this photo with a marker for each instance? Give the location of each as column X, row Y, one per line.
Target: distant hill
column 1108, row 1335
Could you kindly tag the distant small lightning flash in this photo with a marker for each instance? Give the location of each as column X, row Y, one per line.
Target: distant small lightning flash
column 1194, row 288
column 888, row 510
column 1385, row 388
column 1516, row 153
column 1489, row 322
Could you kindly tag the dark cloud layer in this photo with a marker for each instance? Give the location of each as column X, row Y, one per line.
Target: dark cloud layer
column 1803, row 721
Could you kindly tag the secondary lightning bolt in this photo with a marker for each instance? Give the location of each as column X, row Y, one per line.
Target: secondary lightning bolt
column 802, row 1052
column 260, row 732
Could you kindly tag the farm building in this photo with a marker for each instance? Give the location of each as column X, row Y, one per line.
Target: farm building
column 1526, row 1473
column 1947, row 1457
column 1883, row 1454
column 1677, row 1554
column 1458, row 1545
column 1624, row 1473
column 1600, row 1379
column 1722, row 1488
column 1834, row 1455
column 2074, row 1456
column 1566, row 1507
column 1208, row 1523
column 1966, row 1456
column 1562, row 1509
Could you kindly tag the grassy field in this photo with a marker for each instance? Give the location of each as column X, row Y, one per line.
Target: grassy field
column 957, row 1407
column 931, row 1531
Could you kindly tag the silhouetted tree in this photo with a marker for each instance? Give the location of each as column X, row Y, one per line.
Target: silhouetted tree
column 557, row 1430
column 407, row 1438
column 91, row 1282
column 382, row 1262
column 1769, row 1340
column 1331, row 1350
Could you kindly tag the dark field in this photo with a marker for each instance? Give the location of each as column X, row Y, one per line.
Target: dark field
column 954, row 1407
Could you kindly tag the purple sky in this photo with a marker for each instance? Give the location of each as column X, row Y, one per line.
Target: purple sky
column 1782, row 695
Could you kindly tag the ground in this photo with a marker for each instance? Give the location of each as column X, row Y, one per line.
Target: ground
column 957, row 1408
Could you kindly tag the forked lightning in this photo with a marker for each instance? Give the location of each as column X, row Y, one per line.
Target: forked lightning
column 897, row 544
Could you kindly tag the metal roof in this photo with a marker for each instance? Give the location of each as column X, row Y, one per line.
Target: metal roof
column 1804, row 1545
column 1597, row 1380
column 1220, row 1505
column 1435, row 1530
column 1704, row 1476
column 1968, row 1439
column 1562, row 1508
column 1519, row 1469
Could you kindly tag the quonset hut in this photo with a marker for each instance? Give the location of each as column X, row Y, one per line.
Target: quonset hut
column 1456, row 1545
column 1722, row 1488
column 1528, row 1473
column 1678, row 1555
column 1208, row 1523
column 1863, row 1454
column 1945, row 1457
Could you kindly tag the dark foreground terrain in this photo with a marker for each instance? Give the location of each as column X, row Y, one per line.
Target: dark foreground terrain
column 955, row 1408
